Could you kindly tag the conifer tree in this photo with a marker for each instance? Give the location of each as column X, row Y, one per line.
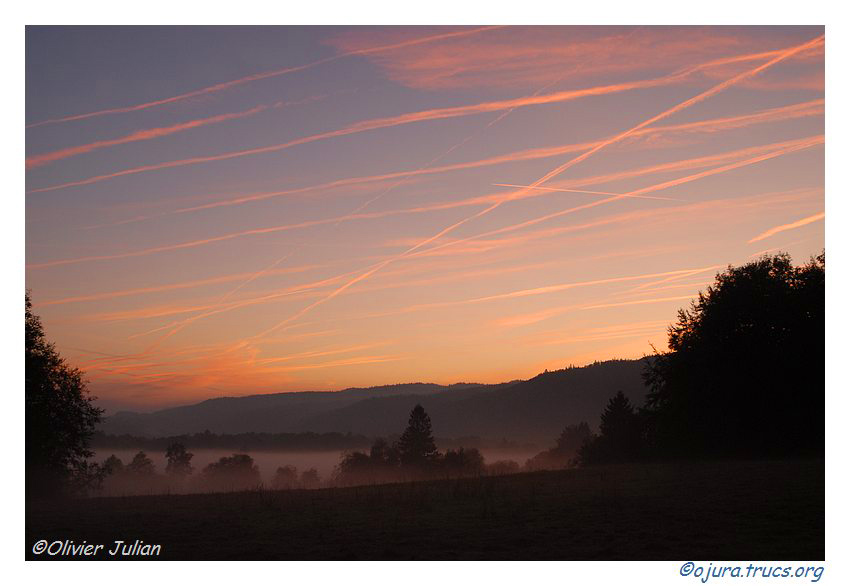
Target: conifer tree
column 416, row 445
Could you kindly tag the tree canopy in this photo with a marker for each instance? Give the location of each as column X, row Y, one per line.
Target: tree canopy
column 60, row 416
column 744, row 373
column 232, row 473
column 179, row 461
column 141, row 465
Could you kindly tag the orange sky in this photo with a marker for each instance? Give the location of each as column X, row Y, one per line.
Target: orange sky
column 323, row 207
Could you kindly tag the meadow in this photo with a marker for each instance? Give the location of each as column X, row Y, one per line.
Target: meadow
column 656, row 511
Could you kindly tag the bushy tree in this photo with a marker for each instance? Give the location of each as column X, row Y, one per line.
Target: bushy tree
column 141, row 465
column 381, row 464
column 285, row 478
column 383, row 455
column 60, row 417
column 744, row 373
column 112, row 465
column 572, row 438
column 179, row 461
column 416, row 446
column 565, row 451
column 463, row 462
column 310, row 479
column 232, row 472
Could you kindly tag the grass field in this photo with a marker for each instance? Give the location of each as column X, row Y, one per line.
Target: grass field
column 742, row 510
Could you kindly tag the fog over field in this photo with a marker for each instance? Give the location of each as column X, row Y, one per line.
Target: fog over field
column 268, row 462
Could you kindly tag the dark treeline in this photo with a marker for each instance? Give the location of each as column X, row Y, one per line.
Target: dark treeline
column 140, row 476
column 743, row 376
column 306, row 441
column 414, row 456
column 290, row 442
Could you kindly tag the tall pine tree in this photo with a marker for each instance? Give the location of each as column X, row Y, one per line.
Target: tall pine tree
column 416, row 446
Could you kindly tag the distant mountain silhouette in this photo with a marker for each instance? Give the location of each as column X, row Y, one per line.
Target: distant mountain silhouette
column 536, row 409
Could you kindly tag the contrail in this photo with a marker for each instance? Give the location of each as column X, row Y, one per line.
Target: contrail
column 369, row 273
column 810, row 108
column 484, row 199
column 258, row 76
column 681, row 106
column 530, row 318
column 438, row 157
column 585, row 191
column 257, row 275
column 318, row 353
column 791, row 226
column 272, row 229
column 214, row 305
column 783, row 246
column 545, row 290
column 629, row 217
column 302, row 288
column 675, row 275
column 673, row 182
column 673, row 278
column 215, row 309
column 367, row 125
column 151, row 133
column 608, row 333
column 229, row 294
column 168, row 287
column 456, row 146
column 452, row 112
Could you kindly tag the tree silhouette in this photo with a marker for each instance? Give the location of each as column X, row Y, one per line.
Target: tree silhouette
column 141, row 465
column 619, row 422
column 463, row 462
column 310, row 479
column 112, row 465
column 233, row 472
column 745, row 369
column 179, row 461
column 620, row 434
column 60, row 416
column 381, row 464
column 416, row 446
column 285, row 478
column 566, row 448
column 572, row 438
column 383, row 454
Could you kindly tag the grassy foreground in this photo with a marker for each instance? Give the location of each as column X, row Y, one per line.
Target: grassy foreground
column 743, row 510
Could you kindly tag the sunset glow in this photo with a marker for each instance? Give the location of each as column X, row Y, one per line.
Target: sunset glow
column 330, row 207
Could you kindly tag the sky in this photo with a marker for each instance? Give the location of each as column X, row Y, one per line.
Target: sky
column 218, row 211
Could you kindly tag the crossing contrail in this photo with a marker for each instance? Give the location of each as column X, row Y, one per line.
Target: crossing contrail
column 258, row 76
column 452, row 112
column 473, row 201
column 792, row 111
column 670, row 111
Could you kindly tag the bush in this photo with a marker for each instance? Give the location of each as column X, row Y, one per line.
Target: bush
column 236, row 472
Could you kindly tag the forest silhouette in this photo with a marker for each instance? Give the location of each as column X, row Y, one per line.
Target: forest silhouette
column 743, row 376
